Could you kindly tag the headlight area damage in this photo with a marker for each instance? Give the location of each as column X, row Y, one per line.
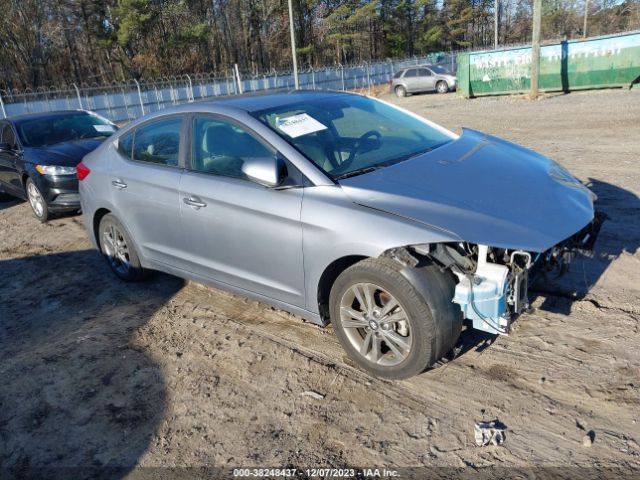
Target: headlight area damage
column 493, row 283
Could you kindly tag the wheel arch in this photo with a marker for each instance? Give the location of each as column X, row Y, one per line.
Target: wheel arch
column 328, row 278
column 97, row 217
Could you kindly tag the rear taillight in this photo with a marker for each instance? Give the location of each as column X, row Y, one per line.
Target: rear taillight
column 391, row 82
column 82, row 171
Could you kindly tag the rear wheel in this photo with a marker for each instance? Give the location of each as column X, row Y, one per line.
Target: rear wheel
column 37, row 201
column 385, row 325
column 119, row 251
column 442, row 87
column 400, row 91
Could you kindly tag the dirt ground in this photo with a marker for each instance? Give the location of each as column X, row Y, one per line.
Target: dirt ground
column 97, row 373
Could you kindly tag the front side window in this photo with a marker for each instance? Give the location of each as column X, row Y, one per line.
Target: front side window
column 158, row 142
column 346, row 134
column 63, row 127
column 424, row 72
column 221, row 147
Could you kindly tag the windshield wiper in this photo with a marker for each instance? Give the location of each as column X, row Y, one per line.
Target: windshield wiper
column 388, row 163
column 354, row 173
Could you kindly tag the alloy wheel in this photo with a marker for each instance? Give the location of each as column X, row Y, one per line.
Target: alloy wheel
column 116, row 249
column 376, row 324
column 35, row 199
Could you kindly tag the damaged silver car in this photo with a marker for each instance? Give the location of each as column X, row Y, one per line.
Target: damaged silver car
column 341, row 209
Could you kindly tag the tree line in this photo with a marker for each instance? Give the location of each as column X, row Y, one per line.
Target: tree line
column 54, row 42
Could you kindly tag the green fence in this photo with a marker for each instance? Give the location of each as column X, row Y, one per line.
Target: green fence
column 611, row 61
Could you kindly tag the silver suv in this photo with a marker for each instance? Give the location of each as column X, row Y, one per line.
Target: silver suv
column 423, row 78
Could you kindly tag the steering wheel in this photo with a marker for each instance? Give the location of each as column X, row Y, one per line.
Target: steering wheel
column 372, row 139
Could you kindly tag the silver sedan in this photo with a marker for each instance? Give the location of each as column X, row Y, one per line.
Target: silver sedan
column 341, row 209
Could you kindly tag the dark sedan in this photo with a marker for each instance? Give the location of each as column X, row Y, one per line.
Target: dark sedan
column 39, row 154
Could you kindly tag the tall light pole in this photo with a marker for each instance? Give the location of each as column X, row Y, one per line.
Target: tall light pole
column 586, row 13
column 495, row 23
column 293, row 47
column 535, row 48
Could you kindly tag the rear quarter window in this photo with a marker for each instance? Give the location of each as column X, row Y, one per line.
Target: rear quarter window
column 125, row 145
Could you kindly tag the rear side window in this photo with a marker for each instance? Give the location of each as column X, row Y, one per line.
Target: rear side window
column 411, row 73
column 398, row 74
column 158, row 142
column 125, row 145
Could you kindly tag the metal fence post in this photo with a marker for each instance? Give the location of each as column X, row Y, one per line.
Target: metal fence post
column 107, row 100
column 79, row 97
column 126, row 105
column 155, row 89
column 366, row 65
column 139, row 95
column 190, row 88
column 235, row 66
column 342, row 75
column 313, row 78
column 4, row 112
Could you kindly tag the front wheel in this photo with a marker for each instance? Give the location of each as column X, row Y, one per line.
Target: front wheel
column 119, row 251
column 442, row 87
column 37, row 201
column 386, row 326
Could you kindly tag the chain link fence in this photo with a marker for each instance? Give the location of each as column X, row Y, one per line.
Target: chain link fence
column 126, row 101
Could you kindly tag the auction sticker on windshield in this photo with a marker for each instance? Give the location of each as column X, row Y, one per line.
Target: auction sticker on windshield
column 298, row 125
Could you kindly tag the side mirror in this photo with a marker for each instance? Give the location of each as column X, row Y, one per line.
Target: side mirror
column 267, row 171
column 5, row 147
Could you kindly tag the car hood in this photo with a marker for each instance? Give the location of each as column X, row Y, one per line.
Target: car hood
column 67, row 154
column 483, row 190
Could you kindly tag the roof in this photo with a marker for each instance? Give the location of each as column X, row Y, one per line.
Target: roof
column 44, row 115
column 255, row 102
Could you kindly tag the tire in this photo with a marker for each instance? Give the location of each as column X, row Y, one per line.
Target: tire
column 119, row 251
column 37, row 201
column 442, row 87
column 424, row 327
column 400, row 91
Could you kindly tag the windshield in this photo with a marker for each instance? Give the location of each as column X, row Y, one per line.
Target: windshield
column 440, row 70
column 346, row 135
column 38, row 132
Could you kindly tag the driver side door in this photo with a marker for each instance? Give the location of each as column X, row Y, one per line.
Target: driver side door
column 239, row 233
column 425, row 80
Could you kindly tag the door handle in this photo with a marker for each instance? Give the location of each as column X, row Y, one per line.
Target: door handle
column 119, row 184
column 194, row 201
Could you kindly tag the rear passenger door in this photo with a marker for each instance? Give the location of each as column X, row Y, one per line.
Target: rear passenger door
column 238, row 232
column 410, row 79
column 145, row 181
